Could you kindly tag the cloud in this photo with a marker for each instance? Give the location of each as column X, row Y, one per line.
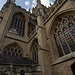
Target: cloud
column 33, row 5
column 27, row 9
column 27, row 3
column 34, row 2
column 47, row 2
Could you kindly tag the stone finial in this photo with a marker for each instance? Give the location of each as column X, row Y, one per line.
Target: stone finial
column 29, row 9
column 50, row 4
column 8, row 1
column 38, row 1
column 13, row 1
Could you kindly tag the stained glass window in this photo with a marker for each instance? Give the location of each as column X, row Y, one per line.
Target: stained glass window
column 12, row 50
column 31, row 29
column 64, row 22
column 65, row 47
column 69, row 39
column 72, row 28
column 58, row 46
column 65, row 39
column 18, row 25
column 71, row 18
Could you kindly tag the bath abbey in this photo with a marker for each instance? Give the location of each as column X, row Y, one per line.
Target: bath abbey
column 37, row 43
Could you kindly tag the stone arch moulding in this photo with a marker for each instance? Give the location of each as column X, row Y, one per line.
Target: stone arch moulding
column 19, row 12
column 11, row 44
column 58, row 14
column 51, row 26
column 32, row 44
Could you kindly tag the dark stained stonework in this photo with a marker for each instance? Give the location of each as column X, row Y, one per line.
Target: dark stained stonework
column 15, row 60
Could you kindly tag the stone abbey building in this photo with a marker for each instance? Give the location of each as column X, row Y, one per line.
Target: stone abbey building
column 38, row 43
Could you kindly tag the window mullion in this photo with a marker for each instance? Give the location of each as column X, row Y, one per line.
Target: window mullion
column 61, row 45
column 71, row 33
column 67, row 42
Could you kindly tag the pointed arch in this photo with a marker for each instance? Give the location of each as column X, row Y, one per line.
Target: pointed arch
column 34, row 50
column 58, row 15
column 69, row 38
column 13, row 49
column 63, row 25
column 17, row 25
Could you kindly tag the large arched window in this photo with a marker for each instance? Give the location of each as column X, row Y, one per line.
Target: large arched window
column 17, row 25
column 35, row 51
column 12, row 50
column 64, row 34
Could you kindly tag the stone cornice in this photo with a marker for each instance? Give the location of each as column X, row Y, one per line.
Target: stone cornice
column 64, row 58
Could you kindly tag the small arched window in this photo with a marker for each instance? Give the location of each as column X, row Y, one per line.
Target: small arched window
column 64, row 34
column 31, row 29
column 12, row 50
column 35, row 51
column 17, row 25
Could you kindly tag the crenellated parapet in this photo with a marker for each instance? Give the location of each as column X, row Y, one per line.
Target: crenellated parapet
column 48, row 11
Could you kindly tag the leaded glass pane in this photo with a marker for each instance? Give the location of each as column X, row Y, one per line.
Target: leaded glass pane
column 71, row 18
column 72, row 28
column 58, row 46
column 55, row 30
column 60, row 26
column 69, row 39
column 65, row 47
column 12, row 50
column 17, row 26
column 31, row 29
column 65, row 22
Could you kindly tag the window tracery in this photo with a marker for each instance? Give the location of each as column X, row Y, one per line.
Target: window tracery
column 35, row 51
column 18, row 25
column 12, row 50
column 58, row 45
column 31, row 29
column 64, row 35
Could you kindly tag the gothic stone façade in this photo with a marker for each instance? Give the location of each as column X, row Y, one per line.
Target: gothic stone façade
column 38, row 43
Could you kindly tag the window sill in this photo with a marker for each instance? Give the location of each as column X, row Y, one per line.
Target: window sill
column 19, row 38
column 64, row 58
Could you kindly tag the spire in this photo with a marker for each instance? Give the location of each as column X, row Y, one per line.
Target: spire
column 13, row 1
column 38, row 1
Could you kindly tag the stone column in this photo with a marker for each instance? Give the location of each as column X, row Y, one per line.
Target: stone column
column 43, row 52
column 4, row 23
column 26, row 30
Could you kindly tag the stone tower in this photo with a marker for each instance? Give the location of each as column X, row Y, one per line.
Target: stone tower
column 43, row 52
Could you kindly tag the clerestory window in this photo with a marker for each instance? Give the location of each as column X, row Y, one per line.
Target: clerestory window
column 17, row 25
column 31, row 29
